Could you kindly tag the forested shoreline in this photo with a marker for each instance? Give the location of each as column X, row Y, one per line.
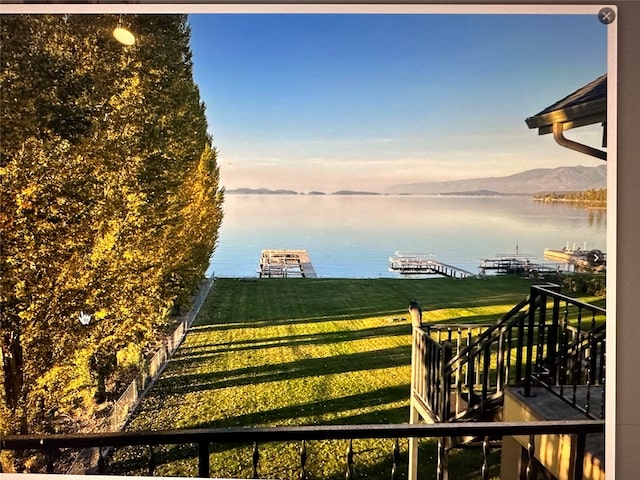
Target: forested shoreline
column 110, row 208
column 593, row 198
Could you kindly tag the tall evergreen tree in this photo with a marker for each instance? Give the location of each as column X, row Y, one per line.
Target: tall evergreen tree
column 107, row 173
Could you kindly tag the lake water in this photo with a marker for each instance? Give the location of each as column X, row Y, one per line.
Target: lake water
column 354, row 236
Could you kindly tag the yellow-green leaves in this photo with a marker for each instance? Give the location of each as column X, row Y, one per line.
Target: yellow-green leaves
column 110, row 203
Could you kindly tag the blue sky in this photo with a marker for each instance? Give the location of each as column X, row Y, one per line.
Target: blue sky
column 343, row 101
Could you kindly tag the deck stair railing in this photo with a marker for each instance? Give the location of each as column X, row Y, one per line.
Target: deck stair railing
column 570, row 352
column 466, row 389
column 548, row 340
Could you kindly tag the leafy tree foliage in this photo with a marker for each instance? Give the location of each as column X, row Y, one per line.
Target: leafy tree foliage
column 110, row 206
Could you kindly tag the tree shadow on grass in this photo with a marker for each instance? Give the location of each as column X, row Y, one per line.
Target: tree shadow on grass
column 203, row 325
column 330, row 407
column 299, row 368
column 184, row 358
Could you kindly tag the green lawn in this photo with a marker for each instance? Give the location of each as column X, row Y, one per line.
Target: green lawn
column 304, row 352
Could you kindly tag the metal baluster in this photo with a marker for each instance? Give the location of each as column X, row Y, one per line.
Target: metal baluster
column 528, row 364
column 349, row 473
column 256, row 458
column 579, row 456
column 531, row 467
column 577, row 369
column 436, row 397
column 445, row 375
column 203, row 459
column 541, row 338
column 553, row 342
column 562, row 378
column 396, row 459
column 49, row 456
column 471, row 362
column 478, row 367
column 485, row 460
column 469, row 372
column 508, row 369
column 303, row 461
column 592, row 366
column 151, row 464
column 593, row 349
column 441, row 469
column 102, row 461
column 588, row 373
column 486, row 365
column 458, row 371
column 500, row 361
column 440, row 386
column 519, row 347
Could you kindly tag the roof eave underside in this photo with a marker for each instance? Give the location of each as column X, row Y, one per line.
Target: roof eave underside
column 585, row 106
column 572, row 117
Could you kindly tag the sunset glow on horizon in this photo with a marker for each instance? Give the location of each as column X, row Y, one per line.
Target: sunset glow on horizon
column 341, row 101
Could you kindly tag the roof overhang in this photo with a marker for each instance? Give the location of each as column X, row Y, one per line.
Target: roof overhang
column 573, row 117
column 585, row 106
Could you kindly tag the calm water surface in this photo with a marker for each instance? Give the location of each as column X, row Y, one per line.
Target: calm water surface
column 354, row 236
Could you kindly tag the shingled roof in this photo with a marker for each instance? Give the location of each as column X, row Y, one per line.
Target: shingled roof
column 585, row 106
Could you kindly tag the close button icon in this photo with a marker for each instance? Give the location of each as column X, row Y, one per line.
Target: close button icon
column 606, row 15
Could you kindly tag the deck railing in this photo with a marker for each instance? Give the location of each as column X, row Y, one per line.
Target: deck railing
column 568, row 350
column 50, row 445
column 548, row 339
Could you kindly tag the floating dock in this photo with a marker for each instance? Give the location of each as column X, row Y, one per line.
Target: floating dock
column 593, row 260
column 424, row 264
column 507, row 264
column 286, row 264
column 517, row 265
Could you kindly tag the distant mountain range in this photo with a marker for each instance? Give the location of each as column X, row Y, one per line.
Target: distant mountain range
column 266, row 191
column 260, row 191
column 530, row 182
column 561, row 179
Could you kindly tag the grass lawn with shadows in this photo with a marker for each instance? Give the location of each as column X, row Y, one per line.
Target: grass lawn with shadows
column 305, row 352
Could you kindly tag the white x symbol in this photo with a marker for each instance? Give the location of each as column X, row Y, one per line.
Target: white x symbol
column 606, row 16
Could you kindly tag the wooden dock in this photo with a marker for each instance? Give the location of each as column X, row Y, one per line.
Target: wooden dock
column 423, row 264
column 517, row 265
column 286, row 264
column 507, row 264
